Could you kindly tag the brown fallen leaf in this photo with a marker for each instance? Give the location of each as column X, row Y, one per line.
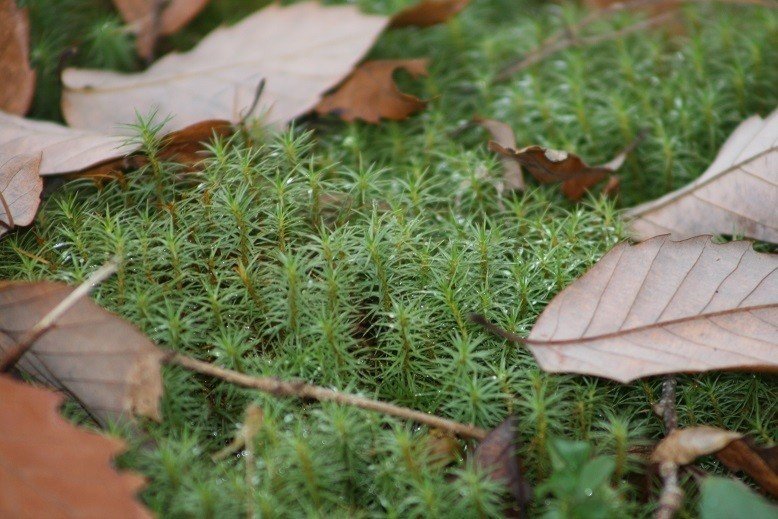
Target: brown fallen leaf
column 427, row 13
column 109, row 366
column 154, row 18
column 497, row 455
column 370, row 93
column 18, row 85
column 683, row 446
column 443, row 447
column 20, row 191
column 758, row 462
column 736, row 195
column 300, row 51
column 503, row 135
column 548, row 165
column 51, row 468
column 612, row 187
column 663, row 306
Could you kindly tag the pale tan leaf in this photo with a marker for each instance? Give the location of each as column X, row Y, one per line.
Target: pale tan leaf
column 103, row 361
column 427, row 13
column 370, row 93
column 503, row 135
column 20, row 190
column 17, row 86
column 664, row 306
column 145, row 14
column 51, row 468
column 683, row 446
column 736, row 195
column 300, row 51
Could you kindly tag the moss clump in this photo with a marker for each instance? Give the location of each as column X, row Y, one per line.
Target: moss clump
column 350, row 255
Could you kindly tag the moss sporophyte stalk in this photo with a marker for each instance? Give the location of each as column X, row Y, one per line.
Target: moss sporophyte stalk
column 350, row 256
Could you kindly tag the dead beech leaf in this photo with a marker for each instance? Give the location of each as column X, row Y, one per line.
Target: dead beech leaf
column 736, row 195
column 503, row 135
column 149, row 23
column 683, row 446
column 548, row 165
column 18, row 85
column 758, row 462
column 497, row 455
column 370, row 93
column 102, row 360
column 300, row 51
column 443, row 447
column 664, row 306
column 51, row 468
column 20, row 190
column 427, row 13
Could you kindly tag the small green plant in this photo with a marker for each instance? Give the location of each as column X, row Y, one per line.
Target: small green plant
column 579, row 487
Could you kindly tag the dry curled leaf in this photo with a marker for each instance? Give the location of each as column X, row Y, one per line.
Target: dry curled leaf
column 103, row 361
column 443, row 447
column 683, row 446
column 503, row 135
column 20, row 190
column 427, row 13
column 498, row 456
column 664, row 306
column 300, row 51
column 153, row 18
column 548, row 166
column 736, row 195
column 51, row 468
column 758, row 462
column 18, row 84
column 370, row 93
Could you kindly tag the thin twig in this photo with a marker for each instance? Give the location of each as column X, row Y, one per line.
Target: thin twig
column 13, row 355
column 257, row 94
column 671, row 496
column 155, row 28
column 569, row 36
column 278, row 387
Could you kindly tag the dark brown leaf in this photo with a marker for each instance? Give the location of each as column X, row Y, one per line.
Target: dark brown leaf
column 20, row 190
column 498, row 456
column 18, row 84
column 664, row 306
column 758, row 462
column 370, row 93
column 103, row 361
column 51, row 468
column 427, row 13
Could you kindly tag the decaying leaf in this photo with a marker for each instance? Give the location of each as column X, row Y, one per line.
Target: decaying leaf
column 548, row 166
column 443, row 447
column 664, row 306
column 103, row 361
column 20, row 190
column 683, row 446
column 758, row 462
column 503, row 135
column 18, row 84
column 370, row 93
column 153, row 18
column 300, row 51
column 51, row 468
column 736, row 195
column 497, row 454
column 427, row 13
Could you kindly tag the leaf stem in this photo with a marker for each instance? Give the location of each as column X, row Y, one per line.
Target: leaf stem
column 301, row 389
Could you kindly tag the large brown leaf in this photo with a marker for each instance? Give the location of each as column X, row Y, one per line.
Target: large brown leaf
column 103, row 361
column 300, row 51
column 427, row 13
column 370, row 93
column 664, row 306
column 20, row 190
column 149, row 23
column 736, row 195
column 51, row 468
column 18, row 79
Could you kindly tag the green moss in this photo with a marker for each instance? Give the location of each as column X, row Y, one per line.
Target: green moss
column 350, row 256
